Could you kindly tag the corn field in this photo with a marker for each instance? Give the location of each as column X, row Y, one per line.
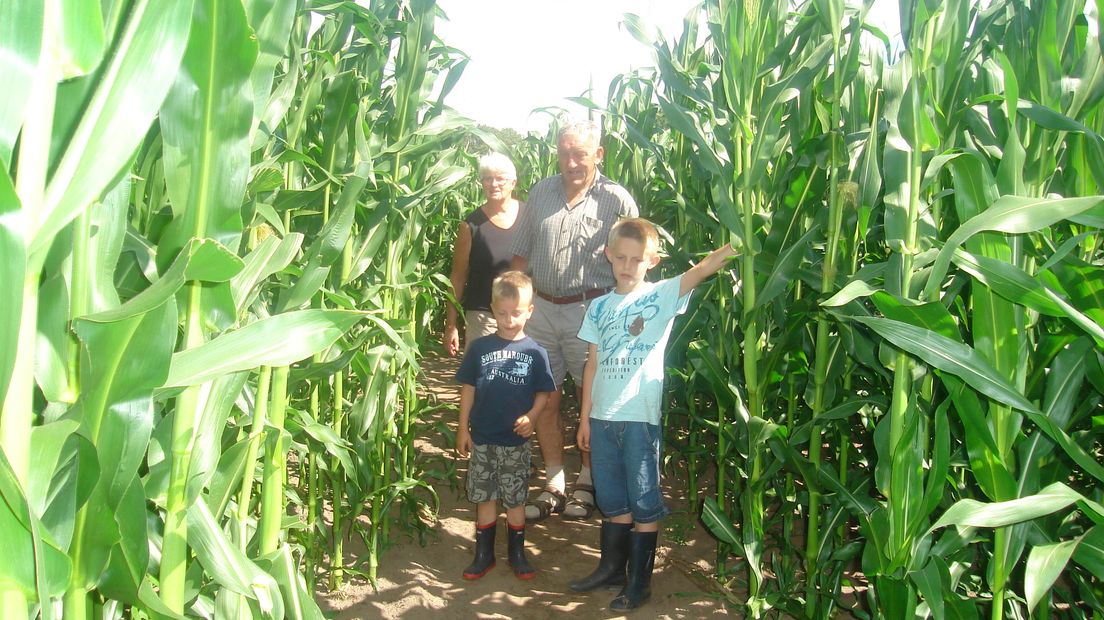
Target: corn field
column 224, row 229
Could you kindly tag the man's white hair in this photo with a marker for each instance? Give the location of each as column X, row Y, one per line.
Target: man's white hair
column 587, row 130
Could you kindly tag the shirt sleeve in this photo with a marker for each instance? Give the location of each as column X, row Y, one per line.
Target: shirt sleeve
column 542, row 378
column 628, row 205
column 670, row 294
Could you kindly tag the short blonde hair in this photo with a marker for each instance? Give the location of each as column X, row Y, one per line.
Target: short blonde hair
column 497, row 162
column 512, row 285
column 638, row 229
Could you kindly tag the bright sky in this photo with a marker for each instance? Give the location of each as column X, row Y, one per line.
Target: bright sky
column 527, row 54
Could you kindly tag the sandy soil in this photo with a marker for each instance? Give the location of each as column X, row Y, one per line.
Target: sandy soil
column 421, row 582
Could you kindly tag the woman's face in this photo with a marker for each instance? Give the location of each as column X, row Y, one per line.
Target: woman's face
column 497, row 185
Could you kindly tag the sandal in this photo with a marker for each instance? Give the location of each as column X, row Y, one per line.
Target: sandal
column 549, row 502
column 582, row 503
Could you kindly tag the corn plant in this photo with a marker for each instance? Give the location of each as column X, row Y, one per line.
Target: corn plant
column 145, row 152
column 921, row 207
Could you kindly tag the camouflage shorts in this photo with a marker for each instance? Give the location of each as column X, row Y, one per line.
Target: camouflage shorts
column 499, row 472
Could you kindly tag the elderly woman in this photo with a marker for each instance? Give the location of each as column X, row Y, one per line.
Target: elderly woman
column 482, row 251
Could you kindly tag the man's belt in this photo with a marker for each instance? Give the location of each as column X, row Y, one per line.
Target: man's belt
column 573, row 299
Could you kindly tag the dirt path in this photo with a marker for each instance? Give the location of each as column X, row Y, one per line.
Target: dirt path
column 420, row 582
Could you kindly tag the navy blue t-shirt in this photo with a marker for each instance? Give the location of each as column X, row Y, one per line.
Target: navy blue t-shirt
column 507, row 374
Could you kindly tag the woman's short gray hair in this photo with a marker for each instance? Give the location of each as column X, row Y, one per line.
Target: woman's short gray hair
column 497, row 162
column 586, row 130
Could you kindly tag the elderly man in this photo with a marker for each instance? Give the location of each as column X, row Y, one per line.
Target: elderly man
column 559, row 240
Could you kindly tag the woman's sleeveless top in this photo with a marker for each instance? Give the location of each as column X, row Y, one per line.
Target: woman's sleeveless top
column 490, row 255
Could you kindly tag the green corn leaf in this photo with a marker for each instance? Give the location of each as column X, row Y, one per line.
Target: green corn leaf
column 270, row 256
column 849, row 407
column 719, row 523
column 988, row 469
column 227, row 565
column 785, row 268
column 957, row 608
column 1084, row 285
column 972, row 513
column 35, row 563
column 81, row 37
column 937, row 472
column 276, row 341
column 51, row 355
column 205, row 125
column 640, row 30
column 949, row 356
column 1045, row 564
column 123, row 362
column 126, row 570
column 931, row 316
column 135, row 81
column 1008, row 281
column 1009, row 214
column 218, row 399
column 1010, row 170
column 151, row 601
column 965, row 363
column 325, row 435
column 204, row 260
column 853, row 290
column 1017, row 286
column 12, row 268
column 930, row 584
column 226, row 480
column 1090, row 551
column 331, row 240
column 1050, row 119
column 1063, row 391
column 707, row 364
column 47, row 444
column 20, row 47
column 108, row 223
column 1089, row 325
column 298, row 602
column 271, row 21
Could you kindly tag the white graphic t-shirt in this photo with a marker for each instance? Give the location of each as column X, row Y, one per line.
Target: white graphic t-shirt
column 631, row 332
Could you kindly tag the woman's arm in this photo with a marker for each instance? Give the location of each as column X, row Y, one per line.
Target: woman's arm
column 460, row 253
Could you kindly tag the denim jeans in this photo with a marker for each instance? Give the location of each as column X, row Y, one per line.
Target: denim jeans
column 625, row 468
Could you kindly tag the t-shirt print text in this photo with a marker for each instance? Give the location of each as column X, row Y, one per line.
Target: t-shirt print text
column 506, row 365
column 619, row 326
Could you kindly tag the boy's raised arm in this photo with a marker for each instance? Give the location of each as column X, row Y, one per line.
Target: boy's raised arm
column 708, row 266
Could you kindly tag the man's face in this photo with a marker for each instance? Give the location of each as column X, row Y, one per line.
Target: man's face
column 579, row 159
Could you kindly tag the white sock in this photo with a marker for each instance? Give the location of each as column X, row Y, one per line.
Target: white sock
column 584, row 477
column 555, row 474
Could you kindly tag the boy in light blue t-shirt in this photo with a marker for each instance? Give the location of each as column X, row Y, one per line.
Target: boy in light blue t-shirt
column 622, row 396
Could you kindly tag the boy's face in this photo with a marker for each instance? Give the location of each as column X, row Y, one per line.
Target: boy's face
column 511, row 314
column 631, row 261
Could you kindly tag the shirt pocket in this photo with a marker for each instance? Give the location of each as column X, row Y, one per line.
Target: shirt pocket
column 589, row 238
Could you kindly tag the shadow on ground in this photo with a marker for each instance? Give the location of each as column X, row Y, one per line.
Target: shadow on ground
column 424, row 581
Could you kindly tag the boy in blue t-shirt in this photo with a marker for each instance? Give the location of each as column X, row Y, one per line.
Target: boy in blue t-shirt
column 505, row 383
column 622, row 396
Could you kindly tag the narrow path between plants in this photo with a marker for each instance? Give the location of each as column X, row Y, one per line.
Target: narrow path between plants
column 416, row 581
